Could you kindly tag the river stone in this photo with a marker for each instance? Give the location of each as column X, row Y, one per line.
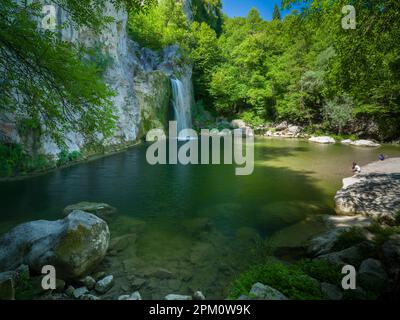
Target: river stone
column 372, row 275
column 102, row 210
column 322, row 140
column 89, row 297
column 134, row 296
column 198, row 295
column 331, row 291
column 353, row 255
column 173, row 296
column 105, row 284
column 88, row 282
column 264, row 292
column 336, row 225
column 73, row 245
column 7, row 285
column 79, row 292
column 364, row 143
column 121, row 243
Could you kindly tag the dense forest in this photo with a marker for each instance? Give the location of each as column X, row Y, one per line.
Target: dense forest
column 306, row 68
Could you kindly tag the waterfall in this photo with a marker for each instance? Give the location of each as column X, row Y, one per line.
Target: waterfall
column 181, row 102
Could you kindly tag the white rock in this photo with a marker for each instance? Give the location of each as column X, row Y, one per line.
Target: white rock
column 198, row 295
column 79, row 292
column 134, row 296
column 364, row 143
column 238, row 124
column 173, row 296
column 264, row 292
column 322, row 140
column 105, row 284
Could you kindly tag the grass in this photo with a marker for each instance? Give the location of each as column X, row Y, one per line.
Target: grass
column 15, row 161
column 294, row 281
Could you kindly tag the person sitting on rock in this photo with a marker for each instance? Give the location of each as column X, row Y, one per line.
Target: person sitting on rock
column 356, row 168
column 382, row 157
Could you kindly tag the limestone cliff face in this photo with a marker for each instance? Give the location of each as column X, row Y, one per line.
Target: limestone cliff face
column 139, row 77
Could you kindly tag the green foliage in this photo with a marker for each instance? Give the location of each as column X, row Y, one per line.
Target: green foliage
column 276, row 15
column 10, row 157
column 338, row 112
column 288, row 279
column 49, row 81
column 13, row 161
column 65, row 157
column 163, row 25
column 252, row 119
column 321, row 270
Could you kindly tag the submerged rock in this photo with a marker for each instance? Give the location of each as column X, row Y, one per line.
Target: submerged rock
column 102, row 210
column 322, row 140
column 264, row 292
column 73, row 245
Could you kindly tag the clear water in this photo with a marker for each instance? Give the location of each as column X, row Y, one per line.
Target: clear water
column 201, row 223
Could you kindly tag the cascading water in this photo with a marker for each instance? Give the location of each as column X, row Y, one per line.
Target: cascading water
column 181, row 102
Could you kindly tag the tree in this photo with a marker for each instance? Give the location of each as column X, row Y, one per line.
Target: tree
column 338, row 112
column 276, row 15
column 49, row 83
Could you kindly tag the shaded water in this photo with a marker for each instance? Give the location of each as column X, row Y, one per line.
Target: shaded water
column 194, row 227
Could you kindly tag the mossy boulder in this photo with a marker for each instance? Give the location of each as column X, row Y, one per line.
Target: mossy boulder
column 73, row 245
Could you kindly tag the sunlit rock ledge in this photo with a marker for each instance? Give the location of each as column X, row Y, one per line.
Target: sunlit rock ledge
column 374, row 192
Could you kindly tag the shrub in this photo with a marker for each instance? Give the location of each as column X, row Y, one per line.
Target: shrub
column 321, row 270
column 65, row 157
column 290, row 280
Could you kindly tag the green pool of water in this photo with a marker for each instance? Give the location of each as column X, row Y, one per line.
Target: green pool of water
column 194, row 227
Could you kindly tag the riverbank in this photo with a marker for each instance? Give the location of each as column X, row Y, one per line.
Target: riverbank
column 51, row 164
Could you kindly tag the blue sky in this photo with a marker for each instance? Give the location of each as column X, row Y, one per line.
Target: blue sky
column 240, row 8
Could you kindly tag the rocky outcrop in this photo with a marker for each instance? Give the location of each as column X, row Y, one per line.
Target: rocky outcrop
column 361, row 143
column 322, row 140
column 73, row 245
column 139, row 77
column 373, row 193
column 102, row 210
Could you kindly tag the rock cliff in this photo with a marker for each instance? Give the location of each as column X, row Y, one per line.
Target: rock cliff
column 139, row 77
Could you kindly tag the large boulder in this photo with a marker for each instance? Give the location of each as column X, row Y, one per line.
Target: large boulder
column 322, row 140
column 102, row 210
column 372, row 275
column 73, row 245
column 373, row 193
column 391, row 253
